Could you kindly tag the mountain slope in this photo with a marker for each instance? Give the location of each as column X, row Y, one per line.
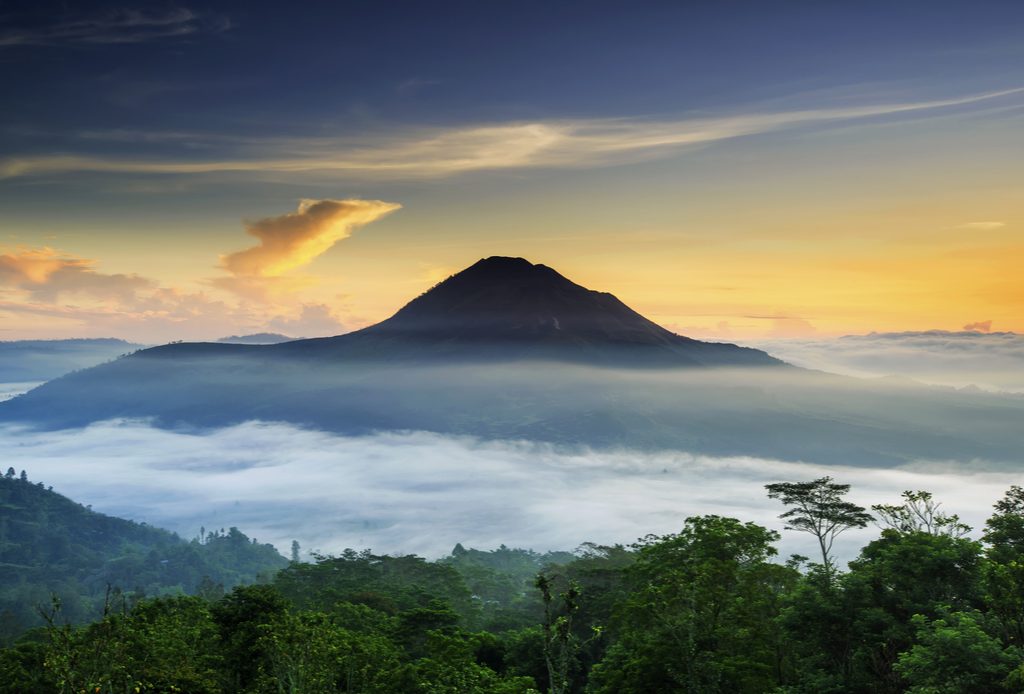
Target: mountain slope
column 51, row 545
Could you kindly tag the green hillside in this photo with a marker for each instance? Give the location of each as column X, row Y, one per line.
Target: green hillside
column 50, row 545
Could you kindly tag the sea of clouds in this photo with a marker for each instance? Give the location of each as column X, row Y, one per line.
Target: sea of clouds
column 991, row 361
column 416, row 492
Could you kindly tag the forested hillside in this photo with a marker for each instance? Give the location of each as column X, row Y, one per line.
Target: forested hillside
column 922, row 609
column 50, row 545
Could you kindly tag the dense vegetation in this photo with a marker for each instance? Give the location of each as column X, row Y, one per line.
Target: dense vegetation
column 50, row 545
column 923, row 608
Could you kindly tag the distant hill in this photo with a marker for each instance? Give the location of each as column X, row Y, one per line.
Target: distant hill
column 507, row 349
column 51, row 545
column 23, row 361
column 256, row 339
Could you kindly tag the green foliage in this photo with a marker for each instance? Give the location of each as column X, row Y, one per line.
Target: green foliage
column 955, row 655
column 390, row 584
column 51, row 545
column 818, row 508
column 708, row 610
column 310, row 652
column 919, row 513
column 702, row 615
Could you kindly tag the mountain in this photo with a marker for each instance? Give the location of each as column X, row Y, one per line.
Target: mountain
column 510, row 350
column 51, row 545
column 509, row 308
column 504, row 309
column 24, row 361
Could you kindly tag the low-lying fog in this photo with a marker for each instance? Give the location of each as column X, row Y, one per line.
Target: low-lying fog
column 10, row 390
column 992, row 361
column 422, row 493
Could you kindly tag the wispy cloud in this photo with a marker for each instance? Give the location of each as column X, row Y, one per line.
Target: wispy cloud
column 983, row 226
column 447, row 152
column 113, row 27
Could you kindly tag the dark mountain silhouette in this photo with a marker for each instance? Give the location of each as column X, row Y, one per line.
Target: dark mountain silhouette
column 511, row 350
column 509, row 308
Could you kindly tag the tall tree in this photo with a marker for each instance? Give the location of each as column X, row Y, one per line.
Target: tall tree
column 702, row 615
column 919, row 513
column 818, row 508
column 559, row 646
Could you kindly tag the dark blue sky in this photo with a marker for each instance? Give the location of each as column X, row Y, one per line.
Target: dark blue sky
column 256, row 67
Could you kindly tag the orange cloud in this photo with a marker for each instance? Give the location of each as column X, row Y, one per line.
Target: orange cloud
column 295, row 239
column 47, row 274
column 982, row 326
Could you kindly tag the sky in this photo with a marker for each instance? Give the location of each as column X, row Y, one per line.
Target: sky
column 732, row 170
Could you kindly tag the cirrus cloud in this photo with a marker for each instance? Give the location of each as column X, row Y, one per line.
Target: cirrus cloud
column 123, row 26
column 983, row 226
column 432, row 153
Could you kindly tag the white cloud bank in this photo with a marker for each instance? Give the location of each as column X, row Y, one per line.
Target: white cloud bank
column 988, row 360
column 422, row 493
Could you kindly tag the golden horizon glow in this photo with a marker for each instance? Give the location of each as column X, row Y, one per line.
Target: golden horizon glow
column 867, row 227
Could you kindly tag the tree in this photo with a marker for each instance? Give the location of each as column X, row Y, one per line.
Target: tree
column 24, row 476
column 1004, row 531
column 242, row 618
column 895, row 577
column 954, row 655
column 703, row 615
column 295, row 550
column 1004, row 572
column 307, row 652
column 10, row 473
column 919, row 513
column 818, row 508
column 559, row 645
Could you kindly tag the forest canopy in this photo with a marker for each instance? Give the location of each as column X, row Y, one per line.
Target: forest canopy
column 924, row 607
